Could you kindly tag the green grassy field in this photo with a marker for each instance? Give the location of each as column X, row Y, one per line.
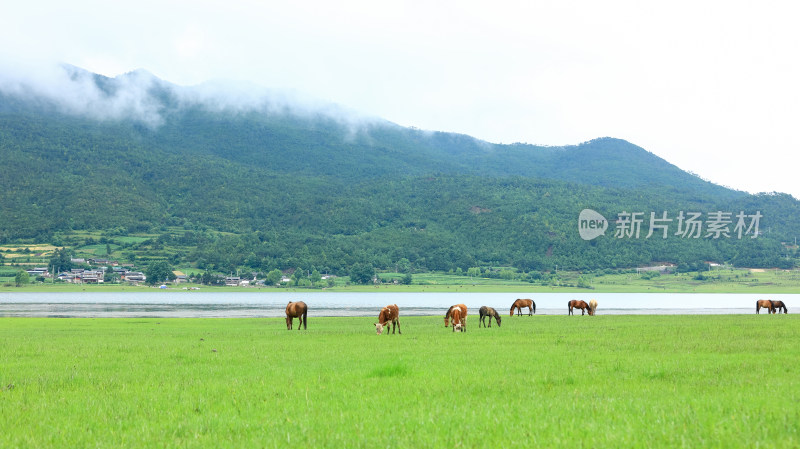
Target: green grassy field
column 542, row 381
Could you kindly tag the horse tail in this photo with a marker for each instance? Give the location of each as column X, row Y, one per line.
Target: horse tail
column 534, row 305
column 305, row 319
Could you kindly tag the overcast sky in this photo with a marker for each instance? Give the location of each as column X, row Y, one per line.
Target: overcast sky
column 712, row 87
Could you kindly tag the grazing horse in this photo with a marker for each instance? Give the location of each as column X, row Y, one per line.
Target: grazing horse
column 458, row 324
column 389, row 314
column 450, row 312
column 777, row 306
column 765, row 303
column 520, row 303
column 297, row 310
column 578, row 304
column 592, row 307
column 490, row 312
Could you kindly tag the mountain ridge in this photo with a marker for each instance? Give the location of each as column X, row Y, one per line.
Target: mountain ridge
column 139, row 95
column 152, row 156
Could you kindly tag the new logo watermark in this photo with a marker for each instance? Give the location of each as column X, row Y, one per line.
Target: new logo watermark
column 591, row 224
column 686, row 225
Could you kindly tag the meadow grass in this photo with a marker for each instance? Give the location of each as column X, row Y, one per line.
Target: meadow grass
column 541, row 381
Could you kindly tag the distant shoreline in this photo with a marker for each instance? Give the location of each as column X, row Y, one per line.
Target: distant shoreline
column 483, row 288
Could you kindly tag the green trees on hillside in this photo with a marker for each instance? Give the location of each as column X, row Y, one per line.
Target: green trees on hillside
column 61, row 260
column 362, row 273
column 271, row 192
column 22, row 278
column 158, row 272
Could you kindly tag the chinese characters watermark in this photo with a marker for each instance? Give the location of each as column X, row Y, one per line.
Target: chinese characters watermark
column 686, row 225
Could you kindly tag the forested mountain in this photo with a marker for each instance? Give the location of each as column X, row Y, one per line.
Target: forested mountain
column 269, row 180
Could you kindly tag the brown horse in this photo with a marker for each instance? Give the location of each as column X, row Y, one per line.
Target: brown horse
column 765, row 303
column 490, row 312
column 578, row 304
column 592, row 307
column 389, row 314
column 459, row 324
column 297, row 310
column 520, row 303
column 450, row 311
column 778, row 305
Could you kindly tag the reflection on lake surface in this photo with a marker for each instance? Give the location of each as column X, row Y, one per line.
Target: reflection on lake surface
column 194, row 304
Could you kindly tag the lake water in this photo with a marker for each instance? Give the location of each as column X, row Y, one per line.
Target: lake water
column 196, row 304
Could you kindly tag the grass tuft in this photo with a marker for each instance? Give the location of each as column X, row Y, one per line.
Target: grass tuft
column 391, row 370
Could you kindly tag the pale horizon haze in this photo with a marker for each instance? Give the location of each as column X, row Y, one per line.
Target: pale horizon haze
column 710, row 86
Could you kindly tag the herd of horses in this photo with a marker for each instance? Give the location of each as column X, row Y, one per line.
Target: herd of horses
column 457, row 314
